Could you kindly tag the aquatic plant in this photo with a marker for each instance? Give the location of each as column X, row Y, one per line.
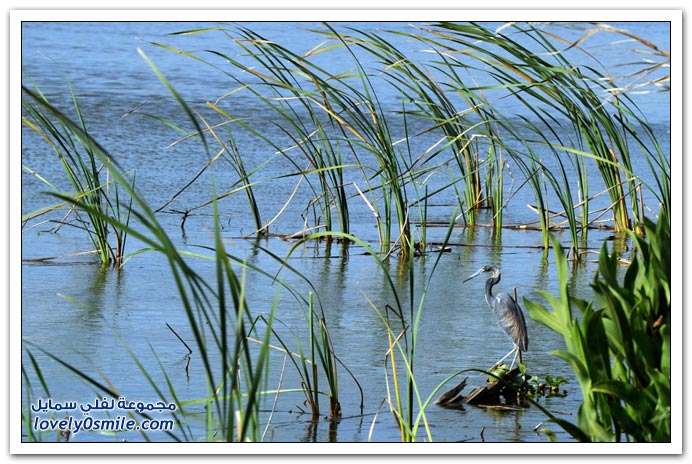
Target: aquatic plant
column 620, row 351
column 428, row 99
column 224, row 329
column 300, row 112
column 574, row 116
column 341, row 129
column 328, row 117
column 321, row 352
column 530, row 69
column 405, row 401
column 318, row 362
column 605, row 131
column 94, row 192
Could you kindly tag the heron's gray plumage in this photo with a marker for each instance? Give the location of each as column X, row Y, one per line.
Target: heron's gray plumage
column 505, row 309
column 510, row 318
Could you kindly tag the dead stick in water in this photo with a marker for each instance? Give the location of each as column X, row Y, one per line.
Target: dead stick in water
column 189, row 350
column 179, row 338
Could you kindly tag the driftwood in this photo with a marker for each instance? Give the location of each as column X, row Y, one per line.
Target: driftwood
column 494, row 394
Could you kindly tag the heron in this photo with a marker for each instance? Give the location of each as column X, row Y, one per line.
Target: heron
column 506, row 312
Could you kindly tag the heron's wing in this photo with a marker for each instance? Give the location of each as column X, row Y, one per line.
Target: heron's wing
column 509, row 316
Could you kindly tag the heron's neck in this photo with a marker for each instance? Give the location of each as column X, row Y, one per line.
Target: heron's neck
column 489, row 284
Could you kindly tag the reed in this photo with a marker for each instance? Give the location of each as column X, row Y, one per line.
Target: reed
column 605, row 128
column 29, row 392
column 77, row 154
column 426, row 86
column 471, row 65
column 218, row 314
column 368, row 121
column 300, row 104
column 355, row 123
column 430, row 101
column 345, row 135
column 409, row 404
column 406, row 402
column 223, row 326
column 235, row 385
column 319, row 362
column 321, row 348
column 230, row 149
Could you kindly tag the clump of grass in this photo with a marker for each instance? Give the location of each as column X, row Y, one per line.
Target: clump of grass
column 328, row 115
column 406, row 402
column 428, row 99
column 603, row 129
column 218, row 314
column 300, row 109
column 319, row 361
column 95, row 196
column 222, row 325
column 303, row 96
column 606, row 128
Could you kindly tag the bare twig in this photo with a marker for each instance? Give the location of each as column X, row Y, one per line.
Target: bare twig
column 179, row 338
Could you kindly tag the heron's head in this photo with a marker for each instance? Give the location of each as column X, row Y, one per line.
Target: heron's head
column 487, row 268
column 490, row 268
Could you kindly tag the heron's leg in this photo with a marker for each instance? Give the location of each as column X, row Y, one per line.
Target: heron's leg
column 517, row 351
column 499, row 363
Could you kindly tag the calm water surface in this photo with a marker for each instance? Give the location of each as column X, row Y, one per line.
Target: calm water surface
column 123, row 315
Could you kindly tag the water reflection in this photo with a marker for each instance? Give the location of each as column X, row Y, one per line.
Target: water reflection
column 313, row 431
column 509, row 422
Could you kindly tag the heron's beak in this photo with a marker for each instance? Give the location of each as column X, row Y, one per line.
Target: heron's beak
column 475, row 274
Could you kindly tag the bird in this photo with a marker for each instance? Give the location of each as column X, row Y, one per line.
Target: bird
column 506, row 312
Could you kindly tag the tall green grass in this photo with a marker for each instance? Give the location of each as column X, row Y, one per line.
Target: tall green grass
column 609, row 131
column 407, row 403
column 428, row 99
column 223, row 328
column 318, row 362
column 574, row 115
column 77, row 153
column 300, row 114
column 345, row 136
column 217, row 313
column 329, row 117
column 554, row 92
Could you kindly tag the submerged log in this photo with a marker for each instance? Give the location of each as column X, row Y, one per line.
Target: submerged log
column 495, row 393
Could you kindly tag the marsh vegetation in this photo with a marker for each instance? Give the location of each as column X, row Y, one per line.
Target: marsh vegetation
column 408, row 152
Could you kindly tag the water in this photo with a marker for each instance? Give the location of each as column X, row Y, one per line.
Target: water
column 100, row 320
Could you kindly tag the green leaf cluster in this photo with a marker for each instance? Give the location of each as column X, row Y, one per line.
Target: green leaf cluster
column 620, row 351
